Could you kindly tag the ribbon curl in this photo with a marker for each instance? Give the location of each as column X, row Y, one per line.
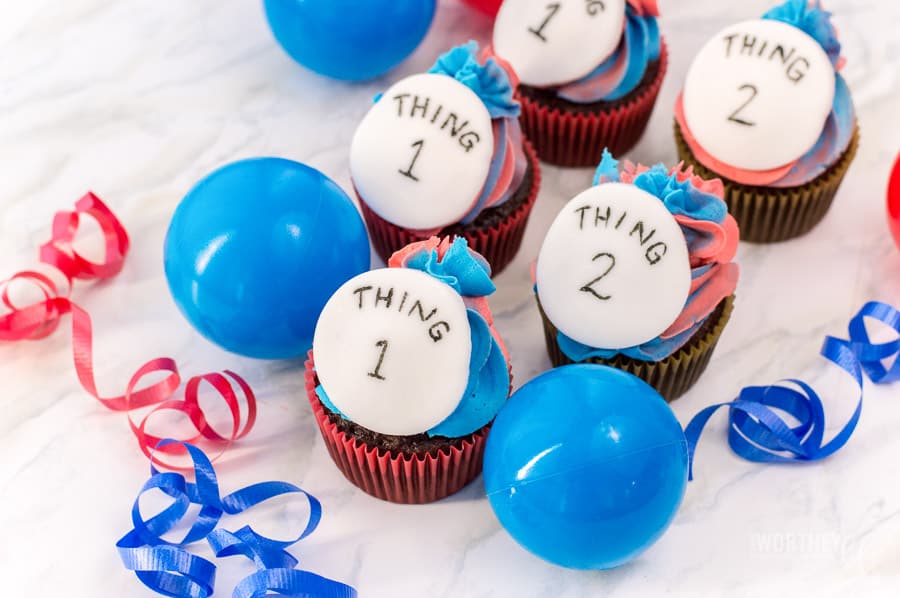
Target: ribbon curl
column 40, row 319
column 169, row 569
column 757, row 432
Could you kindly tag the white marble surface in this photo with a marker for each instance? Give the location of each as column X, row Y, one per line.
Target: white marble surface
column 137, row 99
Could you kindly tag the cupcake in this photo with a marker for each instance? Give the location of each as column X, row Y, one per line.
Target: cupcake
column 636, row 273
column 442, row 153
column 589, row 73
column 407, row 373
column 765, row 109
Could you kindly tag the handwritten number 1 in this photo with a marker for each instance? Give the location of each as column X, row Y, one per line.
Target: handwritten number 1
column 376, row 373
column 553, row 7
column 409, row 171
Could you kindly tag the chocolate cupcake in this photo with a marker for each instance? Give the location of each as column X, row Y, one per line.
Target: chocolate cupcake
column 442, row 153
column 636, row 273
column 765, row 109
column 407, row 373
column 590, row 73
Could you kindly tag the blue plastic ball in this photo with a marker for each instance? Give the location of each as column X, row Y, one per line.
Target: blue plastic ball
column 255, row 250
column 585, row 466
column 348, row 39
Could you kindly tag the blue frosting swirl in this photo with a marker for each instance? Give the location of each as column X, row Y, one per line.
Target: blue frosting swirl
column 649, row 351
column 640, row 45
column 488, row 385
column 679, row 197
column 810, row 18
column 831, row 144
column 467, row 272
column 489, row 81
column 469, row 275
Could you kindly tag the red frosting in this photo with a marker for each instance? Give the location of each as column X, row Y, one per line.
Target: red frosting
column 719, row 248
column 757, row 178
column 645, row 8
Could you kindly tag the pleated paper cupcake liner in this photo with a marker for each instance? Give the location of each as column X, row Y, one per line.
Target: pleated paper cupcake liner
column 569, row 138
column 770, row 214
column 672, row 376
column 498, row 243
column 407, row 478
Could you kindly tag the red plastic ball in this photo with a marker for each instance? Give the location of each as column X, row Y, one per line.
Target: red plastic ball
column 893, row 202
column 488, row 7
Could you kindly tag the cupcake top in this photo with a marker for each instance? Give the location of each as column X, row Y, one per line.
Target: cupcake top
column 586, row 50
column 411, row 348
column 439, row 148
column 637, row 263
column 763, row 102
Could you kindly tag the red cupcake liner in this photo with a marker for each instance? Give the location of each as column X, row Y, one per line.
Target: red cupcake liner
column 498, row 244
column 407, row 478
column 567, row 138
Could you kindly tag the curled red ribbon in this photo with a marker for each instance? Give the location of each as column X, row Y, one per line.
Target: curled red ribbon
column 40, row 319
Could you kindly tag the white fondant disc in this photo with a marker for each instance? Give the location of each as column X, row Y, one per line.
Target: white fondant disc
column 551, row 43
column 392, row 350
column 758, row 94
column 421, row 156
column 613, row 271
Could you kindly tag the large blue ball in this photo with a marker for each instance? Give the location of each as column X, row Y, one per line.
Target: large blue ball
column 255, row 250
column 349, row 39
column 585, row 466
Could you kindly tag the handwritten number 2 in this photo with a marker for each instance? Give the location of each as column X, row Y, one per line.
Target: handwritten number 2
column 735, row 118
column 376, row 373
column 409, row 171
column 588, row 288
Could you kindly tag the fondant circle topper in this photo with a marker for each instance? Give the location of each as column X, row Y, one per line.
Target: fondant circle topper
column 613, row 271
column 392, row 350
column 421, row 156
column 551, row 43
column 758, row 94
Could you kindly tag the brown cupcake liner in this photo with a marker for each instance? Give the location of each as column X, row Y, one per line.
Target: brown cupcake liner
column 407, row 478
column 498, row 244
column 672, row 376
column 770, row 214
column 568, row 138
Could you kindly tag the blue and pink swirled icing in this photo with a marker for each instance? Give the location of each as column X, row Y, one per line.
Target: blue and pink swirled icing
column 469, row 274
column 621, row 73
column 809, row 17
column 712, row 237
column 493, row 81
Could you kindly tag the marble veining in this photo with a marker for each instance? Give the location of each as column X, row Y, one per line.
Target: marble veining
column 137, row 99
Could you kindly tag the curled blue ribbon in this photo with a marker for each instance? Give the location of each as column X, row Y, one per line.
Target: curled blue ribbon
column 168, row 569
column 758, row 433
